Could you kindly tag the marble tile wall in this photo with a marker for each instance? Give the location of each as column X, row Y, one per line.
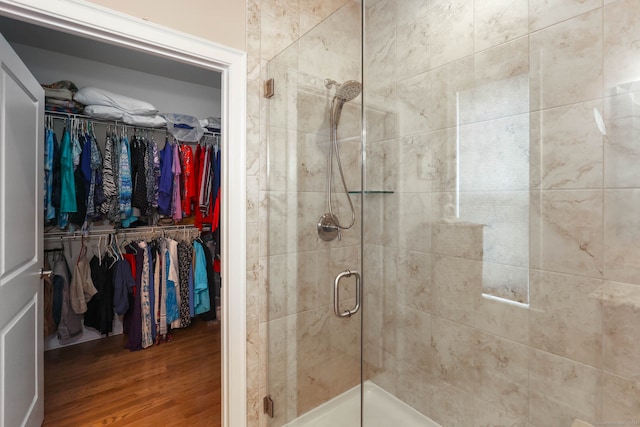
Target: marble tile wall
column 551, row 86
column 510, row 142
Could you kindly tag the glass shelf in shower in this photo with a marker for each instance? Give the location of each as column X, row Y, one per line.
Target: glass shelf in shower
column 372, row 192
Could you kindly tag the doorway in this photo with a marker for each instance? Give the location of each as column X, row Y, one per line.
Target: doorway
column 98, row 24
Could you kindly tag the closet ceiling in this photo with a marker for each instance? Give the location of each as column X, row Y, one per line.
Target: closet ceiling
column 44, row 38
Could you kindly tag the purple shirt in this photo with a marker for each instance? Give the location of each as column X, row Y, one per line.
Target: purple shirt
column 166, row 180
column 177, row 170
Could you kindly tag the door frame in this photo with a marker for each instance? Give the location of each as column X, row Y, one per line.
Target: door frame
column 99, row 23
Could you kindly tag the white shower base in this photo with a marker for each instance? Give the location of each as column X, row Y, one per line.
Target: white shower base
column 381, row 409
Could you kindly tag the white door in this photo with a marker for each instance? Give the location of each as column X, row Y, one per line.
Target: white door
column 21, row 164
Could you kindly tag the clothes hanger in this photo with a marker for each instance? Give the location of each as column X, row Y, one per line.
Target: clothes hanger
column 83, row 251
column 99, row 252
column 130, row 245
column 113, row 241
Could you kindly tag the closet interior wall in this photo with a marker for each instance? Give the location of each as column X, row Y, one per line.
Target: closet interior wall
column 199, row 96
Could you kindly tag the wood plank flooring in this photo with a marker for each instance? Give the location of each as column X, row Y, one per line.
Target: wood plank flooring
column 100, row 383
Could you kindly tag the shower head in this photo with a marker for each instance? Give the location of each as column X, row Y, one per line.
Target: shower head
column 348, row 90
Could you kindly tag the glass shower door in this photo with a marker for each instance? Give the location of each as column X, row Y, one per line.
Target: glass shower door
column 313, row 332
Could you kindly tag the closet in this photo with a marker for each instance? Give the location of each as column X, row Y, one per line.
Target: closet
column 171, row 87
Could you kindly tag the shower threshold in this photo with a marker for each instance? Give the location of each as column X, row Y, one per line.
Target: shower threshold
column 381, row 409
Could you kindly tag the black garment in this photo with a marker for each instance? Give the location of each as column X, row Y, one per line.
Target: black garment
column 211, row 242
column 99, row 313
column 211, row 314
column 79, row 216
column 133, row 317
column 138, row 177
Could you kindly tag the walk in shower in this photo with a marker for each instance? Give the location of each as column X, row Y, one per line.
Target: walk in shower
column 491, row 159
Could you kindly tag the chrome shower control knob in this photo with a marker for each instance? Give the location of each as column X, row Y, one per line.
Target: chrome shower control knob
column 328, row 228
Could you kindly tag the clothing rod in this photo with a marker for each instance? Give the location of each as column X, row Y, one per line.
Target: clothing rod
column 58, row 115
column 62, row 235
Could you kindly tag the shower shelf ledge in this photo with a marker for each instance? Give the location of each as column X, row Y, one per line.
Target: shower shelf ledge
column 372, row 192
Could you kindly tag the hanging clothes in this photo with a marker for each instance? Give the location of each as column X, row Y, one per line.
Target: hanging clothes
column 95, row 197
column 68, row 187
column 79, row 216
column 164, row 283
column 70, row 325
column 110, row 172
column 85, row 160
column 188, row 186
column 123, row 284
column 99, row 313
column 152, row 293
column 200, row 283
column 145, row 297
column 153, row 179
column 204, row 215
column 84, row 163
column 192, row 309
column 184, row 265
column 56, row 194
column 205, row 183
column 209, row 246
column 132, row 323
column 139, row 171
column 125, row 184
column 82, row 288
column 76, row 145
column 173, row 283
column 161, row 294
column 165, row 188
column 197, row 173
column 176, row 202
column 49, row 153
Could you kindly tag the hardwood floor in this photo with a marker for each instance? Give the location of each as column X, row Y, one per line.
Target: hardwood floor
column 171, row 384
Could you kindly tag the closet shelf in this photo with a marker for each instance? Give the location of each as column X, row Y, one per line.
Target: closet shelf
column 78, row 234
column 63, row 116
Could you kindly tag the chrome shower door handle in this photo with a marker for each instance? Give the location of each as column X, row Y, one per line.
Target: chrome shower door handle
column 336, row 294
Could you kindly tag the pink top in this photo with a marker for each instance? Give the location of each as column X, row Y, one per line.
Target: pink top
column 177, row 170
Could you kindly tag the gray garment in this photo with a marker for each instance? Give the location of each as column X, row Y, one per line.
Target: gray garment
column 70, row 323
column 82, row 288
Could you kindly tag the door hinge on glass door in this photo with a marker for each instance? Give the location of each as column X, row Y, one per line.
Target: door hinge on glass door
column 268, row 406
column 269, row 88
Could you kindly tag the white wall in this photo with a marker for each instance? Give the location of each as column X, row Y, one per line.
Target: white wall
column 167, row 95
column 221, row 21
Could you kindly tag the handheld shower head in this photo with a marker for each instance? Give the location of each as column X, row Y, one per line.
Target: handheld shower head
column 329, row 225
column 348, row 90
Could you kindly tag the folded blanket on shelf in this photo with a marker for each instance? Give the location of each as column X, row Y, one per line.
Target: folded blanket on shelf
column 64, row 94
column 62, row 105
column 63, row 89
